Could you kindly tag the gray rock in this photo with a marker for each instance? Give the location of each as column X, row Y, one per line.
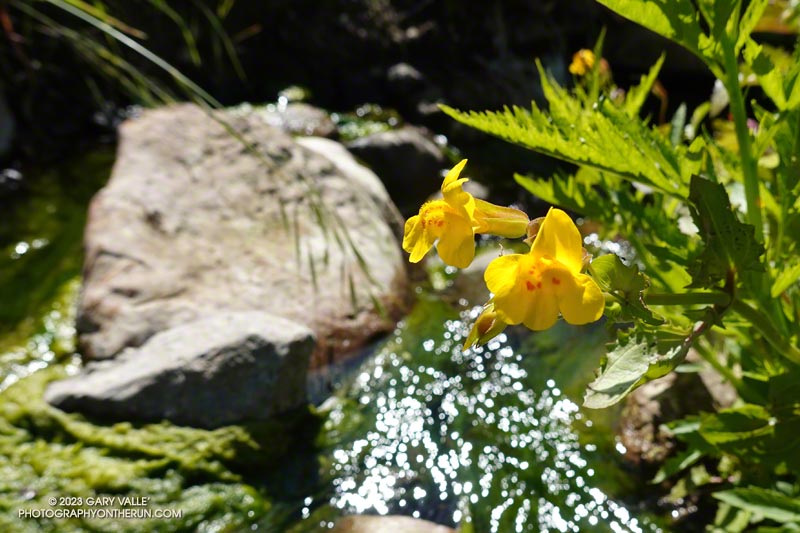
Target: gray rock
column 192, row 223
column 295, row 118
column 387, row 524
column 337, row 154
column 408, row 162
column 225, row 369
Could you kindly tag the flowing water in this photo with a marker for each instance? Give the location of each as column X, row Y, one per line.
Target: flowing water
column 490, row 439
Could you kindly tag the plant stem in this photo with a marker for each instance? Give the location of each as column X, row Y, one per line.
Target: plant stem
column 687, row 298
column 765, row 327
column 749, row 163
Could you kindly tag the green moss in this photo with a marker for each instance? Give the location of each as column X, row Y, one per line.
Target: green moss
column 207, row 475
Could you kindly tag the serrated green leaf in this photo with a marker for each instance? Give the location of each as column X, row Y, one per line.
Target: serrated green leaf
column 636, row 96
column 777, row 73
column 729, row 243
column 631, row 362
column 575, row 193
column 785, row 279
column 601, row 136
column 627, row 283
column 755, row 9
column 677, row 20
column 626, row 364
column 767, row 503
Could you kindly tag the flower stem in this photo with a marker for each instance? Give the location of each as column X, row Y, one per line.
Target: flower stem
column 749, row 163
column 765, row 327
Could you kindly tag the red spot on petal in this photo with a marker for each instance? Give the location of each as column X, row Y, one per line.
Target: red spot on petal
column 556, row 281
column 539, row 285
column 439, row 223
column 529, row 285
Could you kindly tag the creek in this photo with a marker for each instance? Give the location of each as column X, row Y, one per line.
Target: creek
column 492, row 437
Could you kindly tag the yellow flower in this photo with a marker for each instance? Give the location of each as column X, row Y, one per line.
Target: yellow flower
column 533, row 288
column 486, row 327
column 454, row 220
column 582, row 62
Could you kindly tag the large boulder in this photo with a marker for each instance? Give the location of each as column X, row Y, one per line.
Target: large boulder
column 220, row 370
column 196, row 220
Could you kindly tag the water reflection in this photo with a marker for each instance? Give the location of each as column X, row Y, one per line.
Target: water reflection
column 451, row 436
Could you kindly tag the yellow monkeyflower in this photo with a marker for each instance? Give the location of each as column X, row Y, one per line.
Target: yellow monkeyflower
column 455, row 219
column 486, row 327
column 533, row 288
column 582, row 62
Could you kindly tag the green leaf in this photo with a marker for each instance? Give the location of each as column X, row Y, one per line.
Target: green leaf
column 598, row 135
column 631, row 362
column 576, row 193
column 729, row 243
column 677, row 124
column 785, row 279
column 783, row 392
column 737, row 426
column 625, row 282
column 625, row 366
column 778, row 73
column 755, row 9
column 730, row 520
column 767, row 503
column 673, row 465
column 677, row 20
column 721, row 16
column 636, row 96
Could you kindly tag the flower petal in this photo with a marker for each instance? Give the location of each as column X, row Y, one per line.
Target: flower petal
column 451, row 180
column 542, row 311
column 512, row 307
column 454, row 195
column 499, row 220
column 580, row 300
column 416, row 240
column 559, row 239
column 457, row 244
column 501, row 274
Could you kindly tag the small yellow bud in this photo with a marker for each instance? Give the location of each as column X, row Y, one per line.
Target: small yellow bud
column 486, row 327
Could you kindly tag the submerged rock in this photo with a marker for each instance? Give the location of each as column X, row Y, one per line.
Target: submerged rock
column 387, row 524
column 193, row 222
column 225, row 369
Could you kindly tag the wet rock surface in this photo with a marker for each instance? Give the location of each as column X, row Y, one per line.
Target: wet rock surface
column 295, row 118
column 193, row 222
column 225, row 369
